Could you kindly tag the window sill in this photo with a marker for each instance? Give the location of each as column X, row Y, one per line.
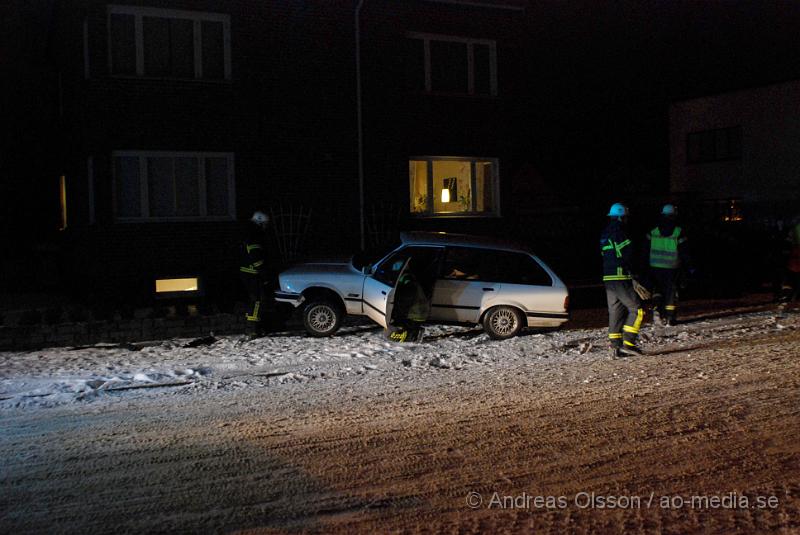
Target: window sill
column 716, row 160
column 457, row 215
column 198, row 81
column 450, row 94
column 212, row 219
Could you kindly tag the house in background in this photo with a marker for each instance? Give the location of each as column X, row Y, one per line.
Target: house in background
column 735, row 172
column 176, row 119
column 739, row 151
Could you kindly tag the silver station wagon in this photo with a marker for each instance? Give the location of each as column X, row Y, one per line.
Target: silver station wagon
column 472, row 280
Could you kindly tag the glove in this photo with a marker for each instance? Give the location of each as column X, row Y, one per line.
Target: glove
column 641, row 290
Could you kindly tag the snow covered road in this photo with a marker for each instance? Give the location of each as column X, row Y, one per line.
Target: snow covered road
column 356, row 434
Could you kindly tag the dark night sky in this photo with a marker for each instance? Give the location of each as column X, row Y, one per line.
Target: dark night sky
column 612, row 68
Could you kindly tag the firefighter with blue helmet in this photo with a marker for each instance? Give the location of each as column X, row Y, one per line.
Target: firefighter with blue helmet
column 625, row 311
column 667, row 255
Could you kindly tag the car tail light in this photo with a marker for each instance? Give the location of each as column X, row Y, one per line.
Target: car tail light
column 566, row 303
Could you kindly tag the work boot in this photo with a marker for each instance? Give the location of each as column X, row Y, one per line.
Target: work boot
column 656, row 317
column 633, row 351
column 614, row 353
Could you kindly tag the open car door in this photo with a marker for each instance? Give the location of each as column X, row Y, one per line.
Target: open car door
column 379, row 286
column 379, row 295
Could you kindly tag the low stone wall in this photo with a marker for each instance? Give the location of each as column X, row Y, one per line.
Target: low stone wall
column 119, row 331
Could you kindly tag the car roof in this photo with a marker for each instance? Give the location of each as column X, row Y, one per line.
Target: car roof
column 460, row 240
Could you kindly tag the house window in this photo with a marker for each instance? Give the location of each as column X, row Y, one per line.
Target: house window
column 177, row 286
column 173, row 186
column 446, row 186
column 451, row 65
column 166, row 43
column 62, row 198
column 716, row 145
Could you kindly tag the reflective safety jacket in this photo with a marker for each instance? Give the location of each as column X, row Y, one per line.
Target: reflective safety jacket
column 793, row 263
column 253, row 254
column 664, row 247
column 617, row 252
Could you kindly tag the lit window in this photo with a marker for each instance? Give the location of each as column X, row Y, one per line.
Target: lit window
column 164, row 286
column 167, row 43
column 731, row 210
column 447, row 64
column 164, row 186
column 62, row 197
column 453, row 186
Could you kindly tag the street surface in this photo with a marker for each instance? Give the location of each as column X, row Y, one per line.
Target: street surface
column 458, row 434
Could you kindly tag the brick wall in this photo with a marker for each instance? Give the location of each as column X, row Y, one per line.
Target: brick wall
column 121, row 331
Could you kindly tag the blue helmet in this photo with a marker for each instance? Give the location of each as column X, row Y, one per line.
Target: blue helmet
column 618, row 210
column 669, row 209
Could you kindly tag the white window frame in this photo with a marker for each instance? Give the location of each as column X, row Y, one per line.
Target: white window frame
column 494, row 212
column 196, row 17
column 426, row 38
column 202, row 198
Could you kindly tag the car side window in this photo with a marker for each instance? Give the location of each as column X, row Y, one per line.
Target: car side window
column 514, row 268
column 424, row 263
column 462, row 263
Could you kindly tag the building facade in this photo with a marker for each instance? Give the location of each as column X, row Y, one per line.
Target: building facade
column 739, row 151
column 177, row 119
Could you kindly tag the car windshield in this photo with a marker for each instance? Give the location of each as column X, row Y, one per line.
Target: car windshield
column 372, row 255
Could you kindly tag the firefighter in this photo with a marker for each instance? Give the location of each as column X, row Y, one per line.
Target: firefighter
column 667, row 254
column 253, row 272
column 411, row 310
column 793, row 264
column 412, row 300
column 625, row 311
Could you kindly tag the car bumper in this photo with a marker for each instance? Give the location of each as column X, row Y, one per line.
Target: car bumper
column 289, row 297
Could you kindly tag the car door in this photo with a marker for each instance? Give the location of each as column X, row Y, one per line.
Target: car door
column 463, row 288
column 378, row 293
column 527, row 285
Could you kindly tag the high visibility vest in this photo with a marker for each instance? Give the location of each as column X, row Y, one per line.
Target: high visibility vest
column 664, row 249
column 793, row 263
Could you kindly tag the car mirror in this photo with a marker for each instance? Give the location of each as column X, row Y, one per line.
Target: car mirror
column 367, row 270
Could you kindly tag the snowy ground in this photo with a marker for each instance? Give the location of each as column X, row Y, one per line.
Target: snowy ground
column 354, row 433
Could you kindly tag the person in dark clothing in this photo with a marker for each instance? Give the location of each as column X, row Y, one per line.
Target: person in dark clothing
column 412, row 300
column 253, row 272
column 793, row 264
column 411, row 310
column 625, row 311
column 667, row 254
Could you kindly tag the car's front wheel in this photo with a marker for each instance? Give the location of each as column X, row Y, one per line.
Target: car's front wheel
column 322, row 317
column 502, row 322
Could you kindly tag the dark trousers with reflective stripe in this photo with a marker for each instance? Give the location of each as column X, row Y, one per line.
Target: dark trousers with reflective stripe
column 254, row 287
column 666, row 283
column 625, row 312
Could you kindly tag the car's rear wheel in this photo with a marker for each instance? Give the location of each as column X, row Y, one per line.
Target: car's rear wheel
column 322, row 317
column 502, row 322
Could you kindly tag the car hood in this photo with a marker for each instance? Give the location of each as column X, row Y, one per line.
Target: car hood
column 321, row 267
